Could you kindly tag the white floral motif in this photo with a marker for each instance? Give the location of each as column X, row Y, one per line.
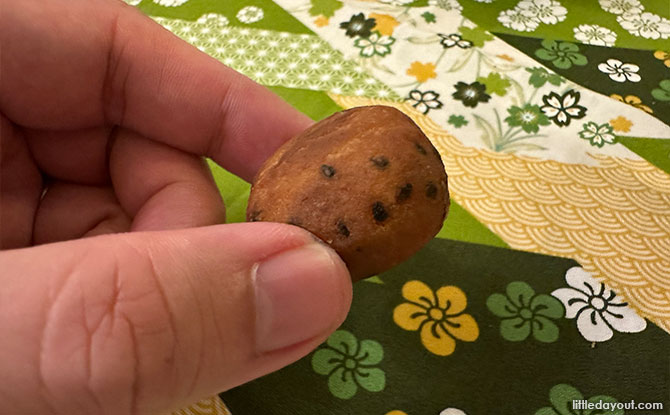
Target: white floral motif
column 547, row 11
column 619, row 71
column 647, row 25
column 448, row 5
column 452, row 411
column 213, row 18
column 516, row 20
column 594, row 35
column 374, row 45
column 170, row 3
column 250, row 14
column 598, row 310
column 622, row 6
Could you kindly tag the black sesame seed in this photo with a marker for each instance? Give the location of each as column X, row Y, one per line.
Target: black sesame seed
column 431, row 190
column 404, row 192
column 327, row 170
column 380, row 162
column 420, row 148
column 342, row 228
column 379, row 212
column 255, row 216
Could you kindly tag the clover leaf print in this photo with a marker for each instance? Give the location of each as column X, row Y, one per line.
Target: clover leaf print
column 598, row 310
column 358, row 26
column 457, row 121
column 540, row 76
column 563, row 398
column 619, row 71
column 439, row 316
column 424, row 101
column 561, row 54
column 350, row 364
column 636, row 101
column 598, row 135
column 563, row 108
column 471, row 94
column 662, row 93
column 523, row 312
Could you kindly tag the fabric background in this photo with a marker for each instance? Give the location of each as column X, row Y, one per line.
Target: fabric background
column 550, row 280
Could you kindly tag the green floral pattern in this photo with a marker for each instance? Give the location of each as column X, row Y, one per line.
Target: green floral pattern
column 564, row 397
column 350, row 364
column 598, row 135
column 561, row 54
column 525, row 313
column 529, row 118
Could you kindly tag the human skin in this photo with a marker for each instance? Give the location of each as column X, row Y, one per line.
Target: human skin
column 120, row 290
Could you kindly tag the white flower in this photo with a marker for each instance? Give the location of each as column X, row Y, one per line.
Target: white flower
column 597, row 135
column 213, row 18
column 133, row 2
column 516, row 20
column 622, row 6
column 250, row 14
column 447, row 5
column 452, row 411
column 170, row 3
column 547, row 11
column 599, row 311
column 619, row 71
column 647, row 25
column 374, row 45
column 594, row 35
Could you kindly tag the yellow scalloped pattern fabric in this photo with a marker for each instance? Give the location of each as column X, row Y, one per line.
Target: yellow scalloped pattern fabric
column 209, row 406
column 613, row 218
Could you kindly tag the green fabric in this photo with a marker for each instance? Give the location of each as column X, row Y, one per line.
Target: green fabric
column 469, row 326
column 656, row 152
column 193, row 9
column 501, row 371
column 584, row 64
column 578, row 12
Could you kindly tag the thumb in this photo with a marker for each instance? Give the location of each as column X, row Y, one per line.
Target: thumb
column 141, row 323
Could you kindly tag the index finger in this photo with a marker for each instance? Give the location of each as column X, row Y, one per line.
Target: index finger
column 80, row 63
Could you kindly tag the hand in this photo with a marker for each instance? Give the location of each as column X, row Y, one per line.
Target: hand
column 133, row 300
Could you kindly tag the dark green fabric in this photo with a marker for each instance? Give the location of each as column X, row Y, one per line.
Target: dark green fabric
column 488, row 376
column 652, row 71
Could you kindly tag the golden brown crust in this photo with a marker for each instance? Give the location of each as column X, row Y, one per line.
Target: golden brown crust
column 366, row 181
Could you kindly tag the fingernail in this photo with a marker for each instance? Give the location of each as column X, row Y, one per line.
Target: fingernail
column 299, row 295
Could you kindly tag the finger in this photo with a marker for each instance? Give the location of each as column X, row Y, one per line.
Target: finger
column 145, row 322
column 161, row 187
column 78, row 156
column 70, row 211
column 20, row 188
column 122, row 68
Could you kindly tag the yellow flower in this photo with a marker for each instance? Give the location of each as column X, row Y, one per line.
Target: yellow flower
column 321, row 21
column 621, row 123
column 664, row 56
column 396, row 412
column 634, row 101
column 439, row 316
column 385, row 23
column 506, row 57
column 422, row 71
